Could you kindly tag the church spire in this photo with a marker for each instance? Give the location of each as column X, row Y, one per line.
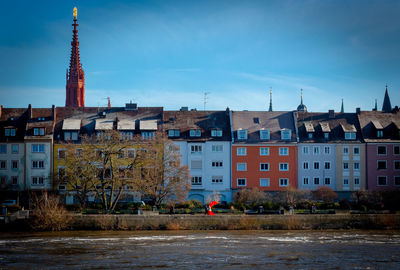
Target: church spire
column 342, row 108
column 270, row 100
column 75, row 89
column 386, row 107
column 301, row 107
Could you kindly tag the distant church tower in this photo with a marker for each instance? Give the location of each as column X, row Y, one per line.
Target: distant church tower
column 386, row 107
column 270, row 100
column 301, row 107
column 75, row 89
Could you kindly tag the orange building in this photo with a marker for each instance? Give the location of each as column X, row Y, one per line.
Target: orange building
column 264, row 150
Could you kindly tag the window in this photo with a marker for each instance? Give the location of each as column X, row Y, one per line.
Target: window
column 396, row 180
column 264, row 182
column 283, row 166
column 242, row 134
column 382, row 181
column 283, row 182
column 316, row 150
column 264, row 151
column 356, row 150
column 305, row 150
column 356, row 181
column 350, row 135
column 14, row 180
column 38, row 131
column 327, row 165
column 356, row 166
column 14, row 148
column 327, row 181
column 241, row 151
column 121, row 153
column 397, row 164
column 3, row 179
column 70, row 135
column 131, row 153
column 382, row 165
column 241, row 182
column 316, row 180
column 9, row 132
column 98, row 153
column 127, row 135
column 37, row 180
column 305, row 165
column 216, row 164
column 61, row 153
column 305, row 181
column 37, row 148
column 216, row 133
column 217, row 148
column 264, row 167
column 345, row 181
column 62, row 187
column 264, row 134
column 345, row 165
column 61, row 172
column 396, row 150
column 195, row 133
column 310, row 135
column 3, row 164
column 316, row 165
column 286, row 134
column 379, row 133
column 148, row 135
column 345, row 150
column 217, row 179
column 241, row 166
column 326, row 136
column 14, row 164
column 125, row 172
column 79, row 152
column 174, row 133
column 3, row 149
column 37, row 164
column 196, row 164
column 381, row 150
column 283, row 151
column 103, row 173
column 196, row 149
column 327, row 150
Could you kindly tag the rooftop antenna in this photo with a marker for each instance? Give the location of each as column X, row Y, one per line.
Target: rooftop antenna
column 205, row 99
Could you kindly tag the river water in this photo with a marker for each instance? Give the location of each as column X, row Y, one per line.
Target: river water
column 201, row 250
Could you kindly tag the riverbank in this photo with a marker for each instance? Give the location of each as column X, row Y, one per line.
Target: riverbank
column 228, row 222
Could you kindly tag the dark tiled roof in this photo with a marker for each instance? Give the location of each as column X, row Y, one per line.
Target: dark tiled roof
column 40, row 118
column 203, row 120
column 322, row 123
column 13, row 118
column 388, row 122
column 254, row 121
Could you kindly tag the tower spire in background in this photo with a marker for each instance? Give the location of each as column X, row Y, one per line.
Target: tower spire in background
column 270, row 100
column 75, row 89
column 342, row 108
column 301, row 107
column 386, row 107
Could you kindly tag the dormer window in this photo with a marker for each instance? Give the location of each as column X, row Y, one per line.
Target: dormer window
column 216, row 133
column 350, row 135
column 326, row 135
column 242, row 134
column 379, row 133
column 39, row 131
column 41, row 118
column 264, row 134
column 9, row 132
column 195, row 133
column 174, row 133
column 286, row 134
column 70, row 135
column 310, row 135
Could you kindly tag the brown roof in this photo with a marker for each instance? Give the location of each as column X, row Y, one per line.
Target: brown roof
column 371, row 121
column 254, row 121
column 342, row 122
column 205, row 121
column 13, row 118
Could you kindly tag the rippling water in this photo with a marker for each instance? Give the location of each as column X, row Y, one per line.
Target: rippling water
column 201, row 249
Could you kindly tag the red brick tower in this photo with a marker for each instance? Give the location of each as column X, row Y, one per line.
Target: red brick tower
column 75, row 90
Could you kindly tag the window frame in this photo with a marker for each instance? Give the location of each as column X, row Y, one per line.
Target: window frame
column 265, row 150
column 263, row 164
column 239, row 151
column 239, row 180
column 283, row 184
column 242, row 164
column 283, row 151
column 266, row 180
column 282, row 165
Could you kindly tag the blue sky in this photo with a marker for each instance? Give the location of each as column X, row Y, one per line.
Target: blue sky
column 169, row 53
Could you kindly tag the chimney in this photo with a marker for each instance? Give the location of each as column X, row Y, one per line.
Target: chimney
column 358, row 110
column 29, row 112
column 331, row 114
column 53, row 112
column 1, row 109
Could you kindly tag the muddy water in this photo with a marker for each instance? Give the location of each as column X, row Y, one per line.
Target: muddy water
column 201, row 250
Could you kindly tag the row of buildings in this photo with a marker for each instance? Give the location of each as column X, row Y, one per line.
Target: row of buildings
column 224, row 150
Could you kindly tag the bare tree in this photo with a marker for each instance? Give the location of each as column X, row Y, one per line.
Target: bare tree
column 292, row 196
column 162, row 178
column 325, row 194
column 251, row 197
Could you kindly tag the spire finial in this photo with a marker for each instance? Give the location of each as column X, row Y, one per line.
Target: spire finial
column 342, row 108
column 270, row 100
column 75, row 13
